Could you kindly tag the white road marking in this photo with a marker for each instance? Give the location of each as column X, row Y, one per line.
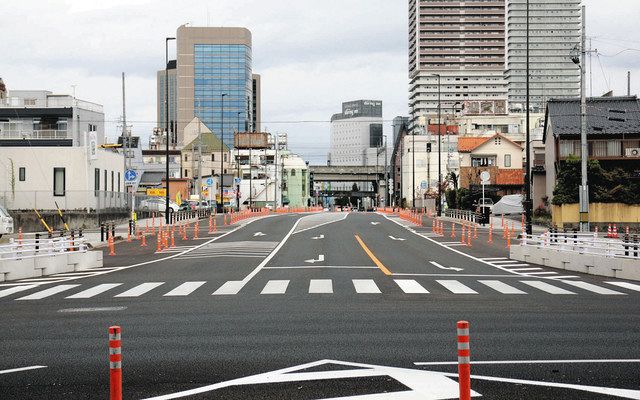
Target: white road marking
column 375, row 223
column 493, row 258
column 324, row 266
column 229, row 288
column 395, row 238
column 410, row 286
column 322, row 224
column 320, row 286
column 317, row 237
column 514, row 265
column 501, row 287
column 565, row 277
column 47, row 292
column 259, row 234
column 96, row 290
column 185, row 289
column 15, row 289
column 456, row 287
column 140, row 289
column 443, row 267
column 275, row 287
column 545, row 287
column 593, row 288
column 542, row 273
column 625, row 285
column 313, row 260
column 92, row 309
column 595, row 361
column 505, row 262
column 9, row 371
column 525, row 269
column 453, row 244
column 365, row 286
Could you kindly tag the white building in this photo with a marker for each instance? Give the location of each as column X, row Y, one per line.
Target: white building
column 356, row 133
column 554, row 30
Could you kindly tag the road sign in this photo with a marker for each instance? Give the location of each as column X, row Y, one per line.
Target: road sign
column 423, row 185
column 157, row 192
column 237, row 181
column 130, row 175
column 209, row 181
column 485, row 176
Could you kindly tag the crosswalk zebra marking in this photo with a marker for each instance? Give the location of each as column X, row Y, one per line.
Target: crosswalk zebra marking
column 139, row 290
column 47, row 292
column 545, row 287
column 626, row 285
column 228, row 288
column 493, row 258
column 542, row 273
column 275, row 287
column 320, row 286
column 524, row 269
column 410, row 286
column 94, row 291
column 593, row 288
column 501, row 287
column 185, row 289
column 456, row 287
column 15, row 289
column 365, row 286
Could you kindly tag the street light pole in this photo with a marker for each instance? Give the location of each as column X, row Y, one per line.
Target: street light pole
column 238, row 167
column 413, row 169
column 387, row 200
column 584, row 147
column 439, row 205
column 166, row 115
column 221, row 153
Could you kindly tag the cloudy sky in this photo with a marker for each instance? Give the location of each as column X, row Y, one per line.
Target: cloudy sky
column 312, row 55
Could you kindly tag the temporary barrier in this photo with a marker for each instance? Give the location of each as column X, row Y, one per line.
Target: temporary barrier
column 115, row 363
column 464, row 360
column 490, row 233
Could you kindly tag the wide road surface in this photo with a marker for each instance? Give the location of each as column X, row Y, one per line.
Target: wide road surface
column 319, row 306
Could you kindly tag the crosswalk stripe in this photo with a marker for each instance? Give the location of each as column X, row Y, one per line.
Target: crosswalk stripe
column 140, row 289
column 94, row 291
column 47, row 292
column 320, row 286
column 545, row 287
column 504, row 262
column 625, row 285
column 501, row 287
column 511, row 265
column 525, row 269
column 228, row 288
column 456, row 287
column 365, row 286
column 593, row 288
column 15, row 289
column 185, row 289
column 493, row 258
column 410, row 286
column 275, row 287
column 543, row 273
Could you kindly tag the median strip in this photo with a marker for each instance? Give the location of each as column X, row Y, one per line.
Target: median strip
column 373, row 258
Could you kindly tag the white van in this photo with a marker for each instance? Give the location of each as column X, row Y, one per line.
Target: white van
column 6, row 222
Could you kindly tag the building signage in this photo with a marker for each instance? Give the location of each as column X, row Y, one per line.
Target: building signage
column 157, row 192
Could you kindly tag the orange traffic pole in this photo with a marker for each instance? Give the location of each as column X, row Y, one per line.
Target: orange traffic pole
column 143, row 242
column 453, row 230
column 173, row 243
column 115, row 363
column 159, row 246
column 464, row 360
column 469, row 236
column 475, row 231
column 508, row 239
column 462, row 237
column 490, row 233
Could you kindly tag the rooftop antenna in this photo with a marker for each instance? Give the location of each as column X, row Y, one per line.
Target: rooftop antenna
column 628, row 83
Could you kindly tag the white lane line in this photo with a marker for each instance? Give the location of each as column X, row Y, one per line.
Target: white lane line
column 49, row 279
column 275, row 287
column 566, row 277
column 94, row 291
column 140, row 289
column 525, row 269
column 625, row 285
column 410, row 286
column 493, row 258
column 229, row 288
column 502, row 287
column 185, row 289
column 514, row 265
column 500, row 362
column 221, row 256
column 542, row 273
column 15, row 289
column 320, row 286
column 593, row 288
column 67, row 274
column 505, row 262
column 9, row 371
column 453, row 244
column 365, row 286
column 545, row 287
column 456, row 287
column 47, row 292
column 324, row 266
column 457, row 275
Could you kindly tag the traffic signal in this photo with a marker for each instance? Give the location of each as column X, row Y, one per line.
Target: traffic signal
column 428, row 147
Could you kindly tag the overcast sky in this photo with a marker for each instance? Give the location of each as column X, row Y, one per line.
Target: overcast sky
column 312, row 55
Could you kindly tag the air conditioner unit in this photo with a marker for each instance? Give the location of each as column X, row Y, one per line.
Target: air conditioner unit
column 632, row 152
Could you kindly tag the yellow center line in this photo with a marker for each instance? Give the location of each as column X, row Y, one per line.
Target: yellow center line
column 372, row 256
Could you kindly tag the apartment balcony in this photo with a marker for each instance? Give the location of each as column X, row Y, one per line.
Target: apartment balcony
column 38, row 134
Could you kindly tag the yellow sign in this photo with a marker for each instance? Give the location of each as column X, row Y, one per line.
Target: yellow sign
column 178, row 198
column 157, row 192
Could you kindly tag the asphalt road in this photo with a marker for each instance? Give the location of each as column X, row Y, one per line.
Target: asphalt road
column 293, row 290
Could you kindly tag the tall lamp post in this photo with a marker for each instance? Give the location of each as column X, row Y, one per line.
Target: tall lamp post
column 439, row 201
column 166, row 119
column 221, row 206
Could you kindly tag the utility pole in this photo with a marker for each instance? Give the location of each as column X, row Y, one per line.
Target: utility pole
column 275, row 177
column 584, row 148
column 628, row 83
column 387, row 200
column 528, row 204
column 199, row 188
column 125, row 138
column 413, row 170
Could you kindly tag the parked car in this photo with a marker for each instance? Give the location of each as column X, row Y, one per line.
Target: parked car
column 484, row 203
column 157, row 204
column 6, row 222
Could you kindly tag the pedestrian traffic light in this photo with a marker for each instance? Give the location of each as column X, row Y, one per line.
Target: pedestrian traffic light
column 428, row 147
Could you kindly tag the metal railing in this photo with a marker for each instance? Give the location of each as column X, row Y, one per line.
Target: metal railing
column 36, row 134
column 464, row 215
column 586, row 243
column 42, row 247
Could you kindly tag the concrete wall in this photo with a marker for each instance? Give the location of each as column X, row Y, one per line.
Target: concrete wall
column 29, row 221
column 603, row 213
column 572, row 261
column 48, row 265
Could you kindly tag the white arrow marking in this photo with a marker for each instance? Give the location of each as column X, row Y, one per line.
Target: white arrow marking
column 395, row 238
column 449, row 268
column 259, row 234
column 375, row 223
column 318, row 237
column 313, row 261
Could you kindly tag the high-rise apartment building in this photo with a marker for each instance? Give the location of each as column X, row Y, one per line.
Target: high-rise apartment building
column 554, row 30
column 212, row 72
column 464, row 43
column 160, row 90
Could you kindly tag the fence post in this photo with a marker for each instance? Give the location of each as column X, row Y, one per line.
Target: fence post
column 115, row 364
column 37, row 243
column 102, row 232
column 464, row 360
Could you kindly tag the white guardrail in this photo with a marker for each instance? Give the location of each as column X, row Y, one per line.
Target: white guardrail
column 464, row 215
column 586, row 243
column 42, row 247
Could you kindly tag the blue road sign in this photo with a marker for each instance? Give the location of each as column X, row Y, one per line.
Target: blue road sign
column 209, row 182
column 130, row 175
column 423, row 184
column 237, row 181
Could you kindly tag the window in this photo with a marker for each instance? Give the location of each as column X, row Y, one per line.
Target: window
column 507, row 160
column 58, row 181
column 118, row 181
column 96, row 178
column 22, row 174
column 186, row 173
column 293, row 172
column 225, row 158
column 186, row 157
column 213, row 157
column 105, row 180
